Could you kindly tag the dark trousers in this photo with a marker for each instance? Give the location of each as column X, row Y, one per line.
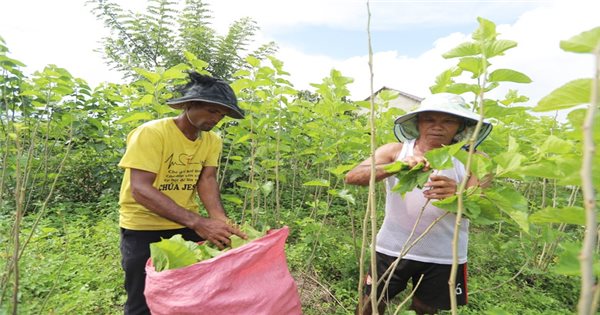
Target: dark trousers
column 135, row 251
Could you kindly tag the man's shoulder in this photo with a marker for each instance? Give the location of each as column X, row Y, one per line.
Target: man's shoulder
column 157, row 123
column 389, row 152
column 392, row 146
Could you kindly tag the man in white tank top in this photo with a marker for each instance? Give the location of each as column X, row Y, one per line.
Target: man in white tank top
column 441, row 119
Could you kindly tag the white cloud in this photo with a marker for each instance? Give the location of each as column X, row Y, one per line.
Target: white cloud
column 538, row 55
column 65, row 33
column 278, row 15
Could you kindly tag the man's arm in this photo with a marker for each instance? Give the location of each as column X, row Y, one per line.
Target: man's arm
column 441, row 187
column 384, row 155
column 209, row 193
column 215, row 231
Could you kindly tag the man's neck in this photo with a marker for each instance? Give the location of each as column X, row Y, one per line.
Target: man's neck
column 421, row 147
column 188, row 130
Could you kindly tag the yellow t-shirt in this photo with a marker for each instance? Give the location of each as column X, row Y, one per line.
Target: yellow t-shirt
column 160, row 147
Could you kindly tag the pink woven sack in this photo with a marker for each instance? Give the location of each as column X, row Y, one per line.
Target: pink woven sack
column 253, row 279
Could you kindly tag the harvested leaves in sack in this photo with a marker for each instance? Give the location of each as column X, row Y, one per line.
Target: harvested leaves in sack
column 175, row 252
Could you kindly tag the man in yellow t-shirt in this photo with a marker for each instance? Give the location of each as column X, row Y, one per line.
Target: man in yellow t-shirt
column 166, row 163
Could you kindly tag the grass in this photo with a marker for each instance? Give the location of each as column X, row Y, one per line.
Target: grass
column 72, row 266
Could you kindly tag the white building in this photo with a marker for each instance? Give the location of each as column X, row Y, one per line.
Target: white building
column 405, row 101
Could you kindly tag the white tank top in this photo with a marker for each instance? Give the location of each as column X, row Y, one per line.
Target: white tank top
column 401, row 215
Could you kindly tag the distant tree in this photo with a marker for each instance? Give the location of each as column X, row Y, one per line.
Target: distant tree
column 160, row 36
column 308, row 96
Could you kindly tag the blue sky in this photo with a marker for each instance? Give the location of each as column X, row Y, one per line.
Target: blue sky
column 410, row 38
column 315, row 36
column 340, row 43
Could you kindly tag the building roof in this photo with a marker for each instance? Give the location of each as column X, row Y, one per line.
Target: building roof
column 407, row 95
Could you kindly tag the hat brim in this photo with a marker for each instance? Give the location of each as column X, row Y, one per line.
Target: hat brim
column 177, row 103
column 464, row 114
column 404, row 132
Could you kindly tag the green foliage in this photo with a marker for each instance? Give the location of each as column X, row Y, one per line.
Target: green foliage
column 479, row 209
column 165, row 36
column 72, row 263
column 512, row 203
column 508, row 75
column 283, row 165
column 571, row 94
column 586, row 42
column 571, row 215
column 175, row 252
column 498, row 281
column 441, row 158
column 414, row 177
column 568, row 262
column 474, row 57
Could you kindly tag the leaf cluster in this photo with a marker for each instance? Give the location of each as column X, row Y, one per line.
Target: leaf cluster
column 408, row 178
column 175, row 252
column 474, row 58
column 159, row 37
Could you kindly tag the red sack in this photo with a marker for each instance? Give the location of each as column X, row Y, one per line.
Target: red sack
column 252, row 279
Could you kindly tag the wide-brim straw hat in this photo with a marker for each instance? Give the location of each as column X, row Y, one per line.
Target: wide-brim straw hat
column 406, row 125
column 203, row 88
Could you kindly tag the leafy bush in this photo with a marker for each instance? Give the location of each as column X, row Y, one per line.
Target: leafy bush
column 72, row 264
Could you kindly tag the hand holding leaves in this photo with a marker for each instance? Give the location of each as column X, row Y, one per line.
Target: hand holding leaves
column 408, row 180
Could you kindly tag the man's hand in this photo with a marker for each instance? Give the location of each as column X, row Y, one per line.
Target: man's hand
column 440, row 187
column 414, row 160
column 216, row 231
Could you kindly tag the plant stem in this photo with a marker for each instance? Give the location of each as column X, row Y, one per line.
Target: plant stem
column 404, row 250
column 363, row 250
column 277, row 161
column 372, row 197
column 410, row 295
column 460, row 191
column 19, row 198
column 543, row 205
column 224, row 171
column 589, row 199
